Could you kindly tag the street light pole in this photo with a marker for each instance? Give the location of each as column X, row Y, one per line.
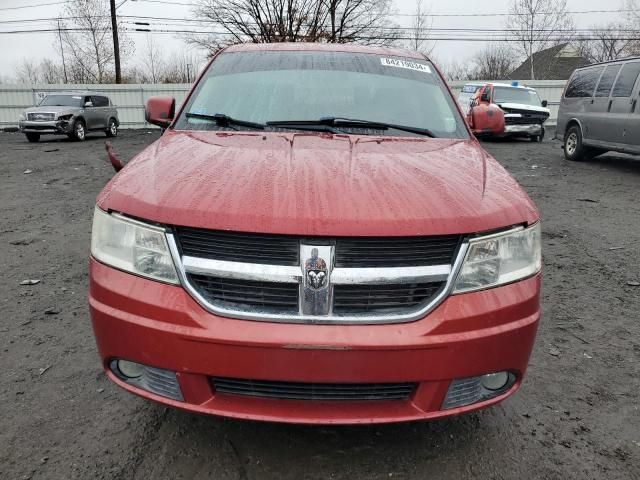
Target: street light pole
column 116, row 43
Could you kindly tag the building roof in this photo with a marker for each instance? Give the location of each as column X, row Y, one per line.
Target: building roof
column 555, row 63
column 324, row 47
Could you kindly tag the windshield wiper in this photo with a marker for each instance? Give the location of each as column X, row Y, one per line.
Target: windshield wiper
column 351, row 123
column 223, row 120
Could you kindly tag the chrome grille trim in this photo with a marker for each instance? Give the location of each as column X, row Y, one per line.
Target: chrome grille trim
column 41, row 116
column 339, row 276
column 349, row 276
column 245, row 271
column 384, row 275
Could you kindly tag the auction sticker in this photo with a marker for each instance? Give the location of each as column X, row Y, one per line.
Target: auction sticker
column 392, row 62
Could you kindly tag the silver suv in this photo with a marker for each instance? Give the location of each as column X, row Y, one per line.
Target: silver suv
column 599, row 111
column 72, row 114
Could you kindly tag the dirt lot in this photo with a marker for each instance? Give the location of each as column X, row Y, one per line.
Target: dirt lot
column 577, row 415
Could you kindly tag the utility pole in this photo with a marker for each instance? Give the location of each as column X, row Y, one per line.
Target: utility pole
column 116, row 43
column 64, row 64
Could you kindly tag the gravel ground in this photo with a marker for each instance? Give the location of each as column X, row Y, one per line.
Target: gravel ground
column 577, row 415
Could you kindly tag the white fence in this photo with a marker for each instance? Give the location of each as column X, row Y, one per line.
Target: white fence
column 130, row 98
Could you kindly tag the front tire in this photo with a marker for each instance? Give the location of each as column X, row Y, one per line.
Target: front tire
column 79, row 131
column 574, row 150
column 112, row 128
column 33, row 137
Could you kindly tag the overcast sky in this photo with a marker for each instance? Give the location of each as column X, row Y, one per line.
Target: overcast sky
column 13, row 48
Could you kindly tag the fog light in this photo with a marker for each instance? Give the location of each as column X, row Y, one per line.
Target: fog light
column 494, row 381
column 152, row 379
column 130, row 369
column 467, row 391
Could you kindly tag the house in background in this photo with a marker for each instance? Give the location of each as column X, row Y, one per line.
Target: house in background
column 555, row 63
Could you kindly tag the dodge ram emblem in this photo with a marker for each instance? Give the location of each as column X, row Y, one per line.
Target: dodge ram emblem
column 316, row 270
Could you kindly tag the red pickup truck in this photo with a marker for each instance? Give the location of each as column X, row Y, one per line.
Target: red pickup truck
column 317, row 237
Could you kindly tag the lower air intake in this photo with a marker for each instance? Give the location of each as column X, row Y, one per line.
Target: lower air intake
column 314, row 391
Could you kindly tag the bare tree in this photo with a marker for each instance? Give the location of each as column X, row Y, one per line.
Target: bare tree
column 421, row 29
column 606, row 42
column 27, row 71
column 363, row 21
column 266, row 21
column 152, row 60
column 51, row 72
column 633, row 24
column 538, row 25
column 180, row 68
column 87, row 39
column 493, row 62
column 455, row 70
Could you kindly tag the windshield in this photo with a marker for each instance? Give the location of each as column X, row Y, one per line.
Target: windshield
column 516, row 95
column 272, row 86
column 62, row 101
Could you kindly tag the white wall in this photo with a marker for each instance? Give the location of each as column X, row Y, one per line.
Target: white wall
column 130, row 98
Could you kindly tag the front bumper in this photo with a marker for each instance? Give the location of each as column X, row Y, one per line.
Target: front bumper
column 162, row 326
column 60, row 127
column 523, row 129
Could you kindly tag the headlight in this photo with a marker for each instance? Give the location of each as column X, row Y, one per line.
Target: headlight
column 65, row 117
column 500, row 258
column 132, row 246
column 23, row 117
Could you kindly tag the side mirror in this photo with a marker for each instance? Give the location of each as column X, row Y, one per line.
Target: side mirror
column 486, row 120
column 486, row 96
column 88, row 104
column 160, row 110
column 545, row 103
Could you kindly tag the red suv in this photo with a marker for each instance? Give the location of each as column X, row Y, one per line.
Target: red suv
column 316, row 238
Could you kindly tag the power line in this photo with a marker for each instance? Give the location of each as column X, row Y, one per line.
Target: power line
column 33, row 6
column 169, row 22
column 355, row 37
column 496, row 14
column 577, row 12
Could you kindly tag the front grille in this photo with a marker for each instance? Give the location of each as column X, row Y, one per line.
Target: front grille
column 362, row 299
column 353, row 252
column 231, row 293
column 239, row 247
column 528, row 117
column 41, row 117
column 314, row 391
column 362, row 252
column 366, row 279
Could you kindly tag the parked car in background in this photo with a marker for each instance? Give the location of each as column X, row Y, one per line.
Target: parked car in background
column 524, row 112
column 335, row 247
column 73, row 114
column 599, row 110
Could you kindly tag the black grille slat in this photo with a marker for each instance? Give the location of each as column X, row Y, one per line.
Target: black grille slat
column 268, row 295
column 239, row 247
column 313, row 391
column 361, row 299
column 358, row 252
column 350, row 252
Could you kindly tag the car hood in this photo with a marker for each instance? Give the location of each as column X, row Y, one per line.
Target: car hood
column 318, row 184
column 55, row 109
